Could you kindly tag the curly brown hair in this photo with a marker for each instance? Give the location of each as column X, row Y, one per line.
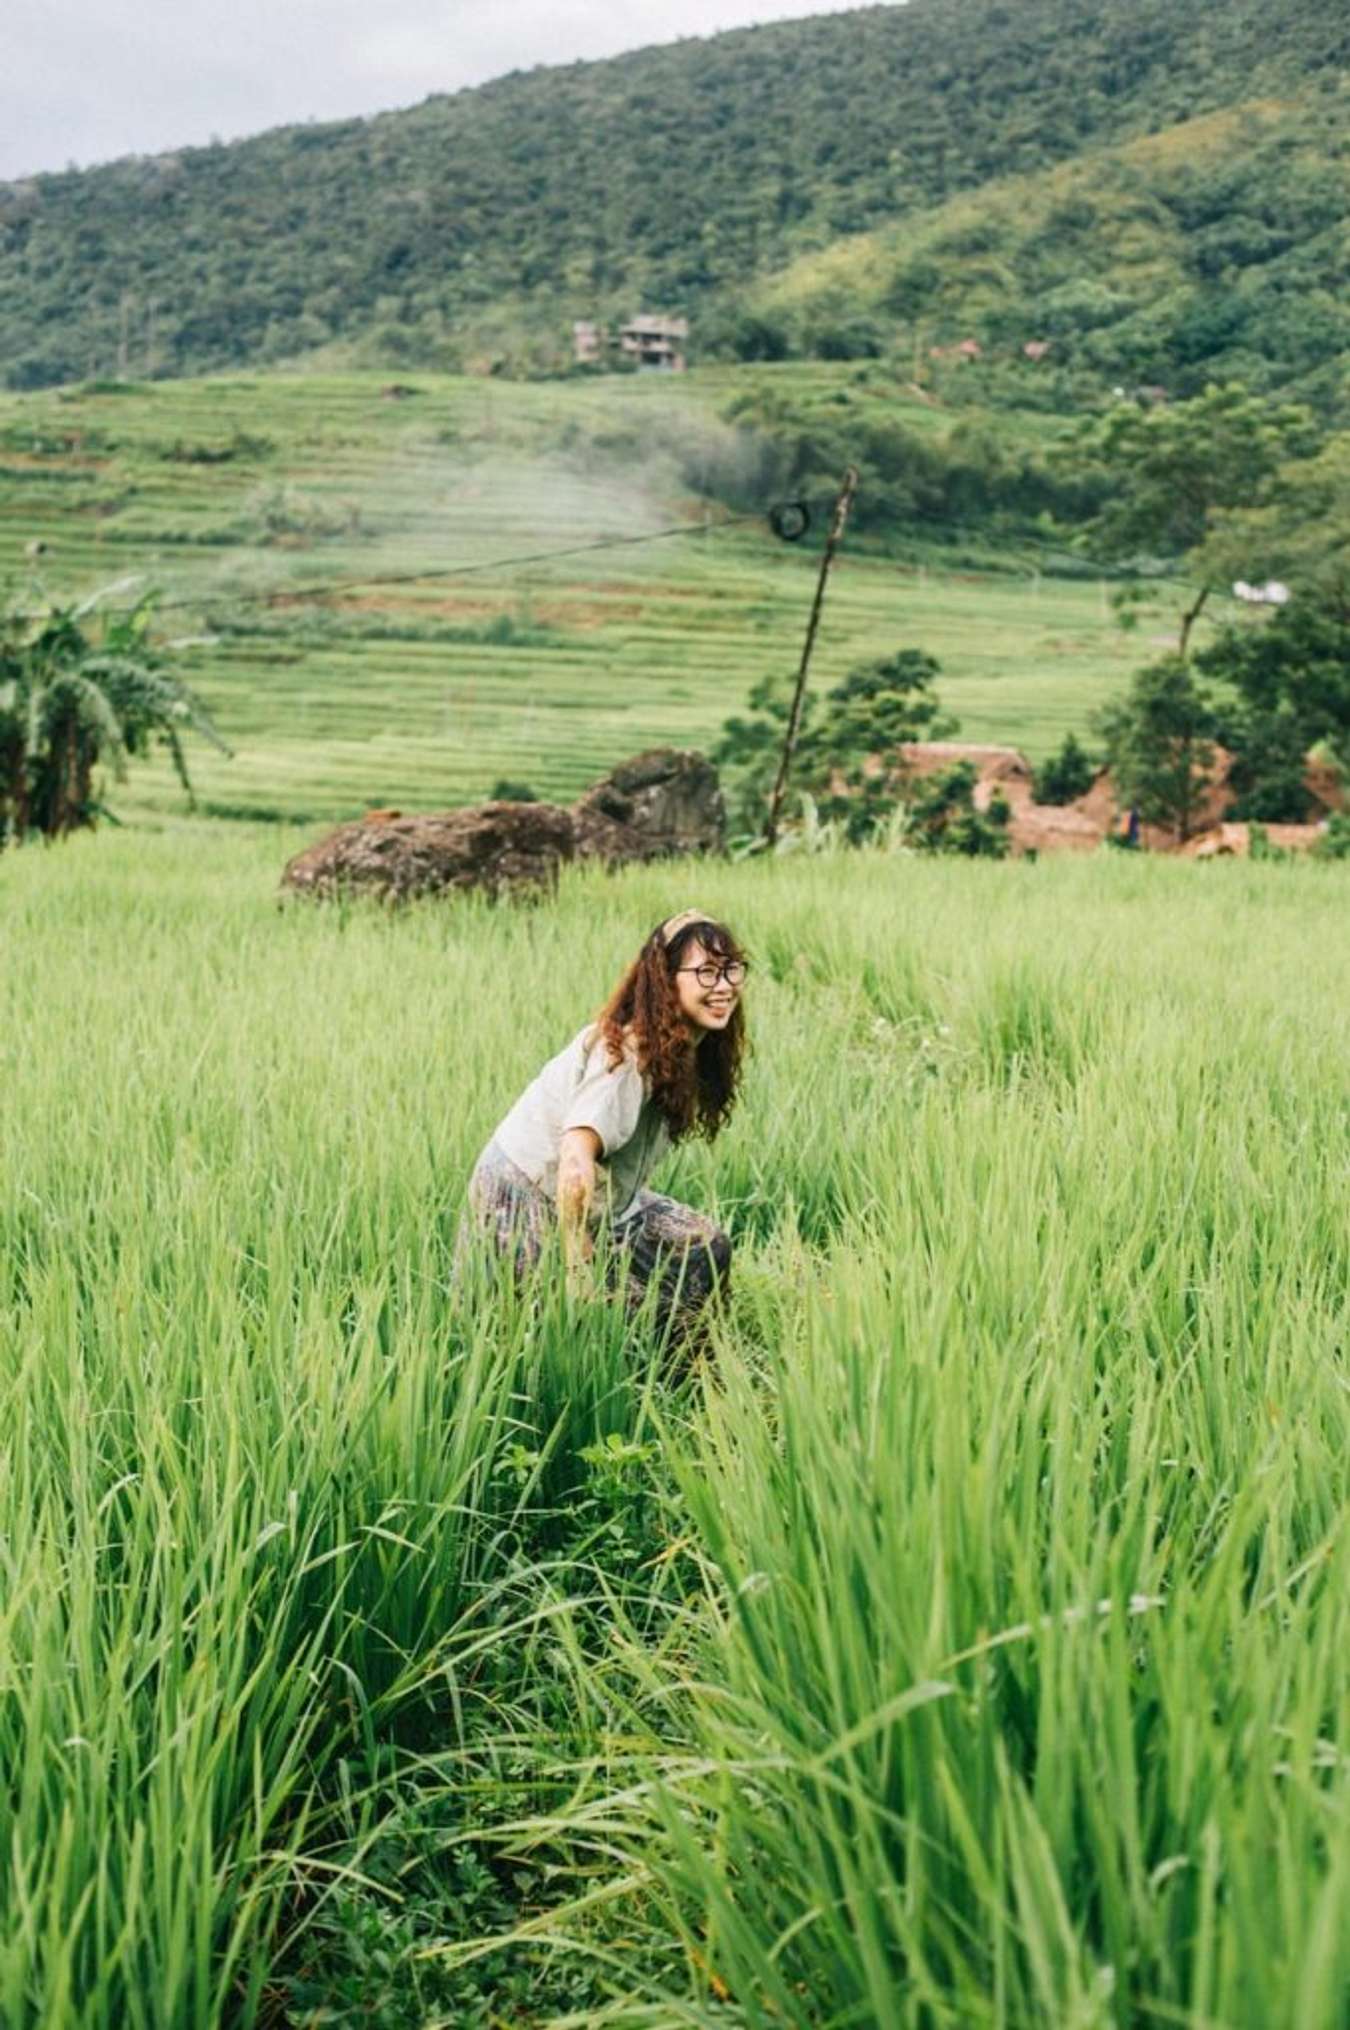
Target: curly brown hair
column 695, row 1090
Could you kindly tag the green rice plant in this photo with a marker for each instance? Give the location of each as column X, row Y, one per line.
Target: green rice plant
column 963, row 1645
column 1027, row 1571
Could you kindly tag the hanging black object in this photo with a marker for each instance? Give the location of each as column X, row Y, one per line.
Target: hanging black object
column 838, row 522
column 790, row 519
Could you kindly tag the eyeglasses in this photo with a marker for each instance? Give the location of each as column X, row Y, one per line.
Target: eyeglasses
column 733, row 972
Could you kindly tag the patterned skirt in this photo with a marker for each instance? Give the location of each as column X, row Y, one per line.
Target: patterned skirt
column 658, row 1242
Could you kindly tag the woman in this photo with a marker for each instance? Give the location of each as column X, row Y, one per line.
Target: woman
column 662, row 1061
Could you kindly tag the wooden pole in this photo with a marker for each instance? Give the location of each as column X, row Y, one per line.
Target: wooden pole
column 832, row 542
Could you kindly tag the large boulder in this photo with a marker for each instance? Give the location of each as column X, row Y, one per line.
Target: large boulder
column 392, row 857
column 661, row 804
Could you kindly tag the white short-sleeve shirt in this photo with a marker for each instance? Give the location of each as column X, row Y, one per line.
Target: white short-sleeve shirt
column 579, row 1088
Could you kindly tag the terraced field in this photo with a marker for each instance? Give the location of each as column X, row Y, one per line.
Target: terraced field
column 239, row 496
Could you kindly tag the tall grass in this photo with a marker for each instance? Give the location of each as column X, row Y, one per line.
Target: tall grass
column 984, row 1663
column 1023, row 1699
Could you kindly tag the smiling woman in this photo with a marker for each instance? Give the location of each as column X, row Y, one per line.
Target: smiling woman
column 660, row 1062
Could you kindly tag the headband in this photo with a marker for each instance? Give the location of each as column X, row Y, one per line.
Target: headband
column 673, row 925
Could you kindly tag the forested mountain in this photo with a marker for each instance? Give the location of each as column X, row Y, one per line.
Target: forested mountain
column 673, row 177
column 1217, row 249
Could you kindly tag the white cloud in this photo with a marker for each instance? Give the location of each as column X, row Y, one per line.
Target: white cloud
column 83, row 82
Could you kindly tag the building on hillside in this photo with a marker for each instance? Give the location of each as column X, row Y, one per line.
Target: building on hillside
column 590, row 342
column 649, row 340
column 655, row 341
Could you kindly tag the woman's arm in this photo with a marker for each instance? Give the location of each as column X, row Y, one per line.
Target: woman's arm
column 577, row 1153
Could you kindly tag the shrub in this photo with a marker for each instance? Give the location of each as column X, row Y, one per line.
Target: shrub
column 1290, row 677
column 942, row 816
column 1334, row 843
column 1066, row 775
column 1159, row 744
column 1259, row 845
column 1268, row 768
column 864, row 718
column 276, row 513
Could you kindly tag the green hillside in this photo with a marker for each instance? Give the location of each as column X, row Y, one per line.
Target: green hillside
column 468, row 230
column 1217, row 249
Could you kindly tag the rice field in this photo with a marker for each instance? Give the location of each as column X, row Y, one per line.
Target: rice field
column 237, row 496
column 965, row 1645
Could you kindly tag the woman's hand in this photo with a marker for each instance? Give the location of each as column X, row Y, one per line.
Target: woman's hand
column 577, row 1155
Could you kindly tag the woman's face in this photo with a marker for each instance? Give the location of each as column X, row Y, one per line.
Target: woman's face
column 704, row 1007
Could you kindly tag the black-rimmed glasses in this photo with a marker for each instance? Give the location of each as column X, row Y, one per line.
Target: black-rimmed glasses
column 707, row 975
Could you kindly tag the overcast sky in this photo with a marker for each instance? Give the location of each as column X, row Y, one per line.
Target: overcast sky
column 86, row 80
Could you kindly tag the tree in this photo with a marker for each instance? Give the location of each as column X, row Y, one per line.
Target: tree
column 847, row 748
column 1302, row 535
column 1288, row 676
column 941, row 816
column 1334, row 843
column 849, row 757
column 754, row 335
column 1159, row 746
column 1066, row 775
column 1268, row 773
column 76, row 693
column 1175, row 470
column 748, row 748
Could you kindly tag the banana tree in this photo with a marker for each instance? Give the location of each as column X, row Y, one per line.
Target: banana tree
column 82, row 690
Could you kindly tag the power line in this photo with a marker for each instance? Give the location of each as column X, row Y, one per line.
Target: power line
column 326, row 588
column 332, row 587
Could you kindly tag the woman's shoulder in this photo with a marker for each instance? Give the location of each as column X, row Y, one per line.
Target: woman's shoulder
column 595, row 1046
